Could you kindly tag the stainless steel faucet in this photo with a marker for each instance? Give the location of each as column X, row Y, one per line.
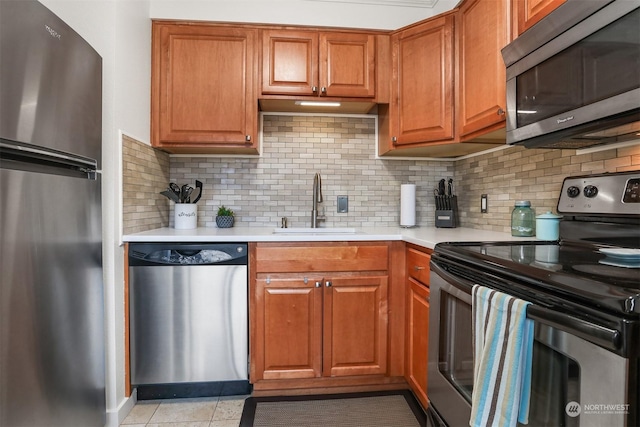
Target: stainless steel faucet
column 317, row 198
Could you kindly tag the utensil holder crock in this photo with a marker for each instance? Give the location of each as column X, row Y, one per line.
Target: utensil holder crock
column 185, row 216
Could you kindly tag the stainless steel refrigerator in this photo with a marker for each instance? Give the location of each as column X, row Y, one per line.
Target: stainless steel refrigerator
column 52, row 369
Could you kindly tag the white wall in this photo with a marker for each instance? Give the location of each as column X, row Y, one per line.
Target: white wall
column 298, row 12
column 120, row 31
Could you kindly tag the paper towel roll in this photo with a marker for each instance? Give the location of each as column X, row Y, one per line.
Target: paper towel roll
column 407, row 205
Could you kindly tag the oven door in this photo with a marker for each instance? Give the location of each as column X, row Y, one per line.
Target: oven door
column 574, row 382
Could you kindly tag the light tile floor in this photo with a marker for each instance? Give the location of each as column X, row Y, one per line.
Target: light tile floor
column 223, row 411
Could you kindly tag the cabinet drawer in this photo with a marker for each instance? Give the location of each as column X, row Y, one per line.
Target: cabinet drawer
column 418, row 265
column 321, row 257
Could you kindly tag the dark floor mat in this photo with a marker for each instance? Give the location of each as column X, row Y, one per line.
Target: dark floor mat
column 375, row 409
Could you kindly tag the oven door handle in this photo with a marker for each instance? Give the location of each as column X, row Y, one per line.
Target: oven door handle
column 605, row 337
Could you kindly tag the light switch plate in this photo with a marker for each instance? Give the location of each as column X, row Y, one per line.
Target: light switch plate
column 484, row 202
column 343, row 204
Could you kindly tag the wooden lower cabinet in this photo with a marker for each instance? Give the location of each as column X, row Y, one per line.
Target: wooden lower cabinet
column 325, row 328
column 417, row 331
column 355, row 326
column 290, row 311
column 418, row 339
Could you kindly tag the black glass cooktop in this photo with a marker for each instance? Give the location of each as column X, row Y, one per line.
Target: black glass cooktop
column 573, row 271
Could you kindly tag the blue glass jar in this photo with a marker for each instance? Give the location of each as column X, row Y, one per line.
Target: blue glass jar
column 523, row 219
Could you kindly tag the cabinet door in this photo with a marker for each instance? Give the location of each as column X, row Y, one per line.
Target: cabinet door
column 203, row 86
column 355, row 326
column 347, row 65
column 528, row 12
column 418, row 339
column 290, row 313
column 482, row 31
column 289, row 62
column 421, row 107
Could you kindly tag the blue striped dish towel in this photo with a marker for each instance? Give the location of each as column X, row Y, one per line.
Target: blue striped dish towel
column 502, row 347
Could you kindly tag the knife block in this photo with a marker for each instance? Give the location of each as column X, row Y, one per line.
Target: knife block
column 446, row 211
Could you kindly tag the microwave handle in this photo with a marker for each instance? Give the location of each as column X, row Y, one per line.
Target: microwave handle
column 605, row 337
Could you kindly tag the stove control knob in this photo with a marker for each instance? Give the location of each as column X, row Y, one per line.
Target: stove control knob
column 590, row 191
column 573, row 191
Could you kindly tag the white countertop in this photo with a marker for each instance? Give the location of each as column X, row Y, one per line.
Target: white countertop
column 423, row 236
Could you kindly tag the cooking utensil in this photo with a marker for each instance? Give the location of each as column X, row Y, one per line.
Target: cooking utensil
column 187, row 197
column 176, row 190
column 197, row 195
column 170, row 195
column 183, row 192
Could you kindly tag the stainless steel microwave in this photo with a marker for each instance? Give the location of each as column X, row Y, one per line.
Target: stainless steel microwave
column 573, row 79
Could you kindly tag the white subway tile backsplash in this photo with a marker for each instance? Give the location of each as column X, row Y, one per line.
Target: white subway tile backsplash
column 295, row 147
column 342, row 149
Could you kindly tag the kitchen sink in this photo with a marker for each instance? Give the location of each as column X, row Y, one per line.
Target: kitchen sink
column 314, row 230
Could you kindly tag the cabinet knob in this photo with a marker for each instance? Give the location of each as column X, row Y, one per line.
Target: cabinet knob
column 318, row 284
column 328, row 284
column 247, row 138
column 500, row 112
column 418, row 268
column 314, row 89
column 323, row 90
column 394, row 139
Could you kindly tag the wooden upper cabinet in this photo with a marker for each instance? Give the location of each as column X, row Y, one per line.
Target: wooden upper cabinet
column 347, row 65
column 526, row 13
column 204, row 92
column 422, row 95
column 482, row 30
column 289, row 62
column 313, row 63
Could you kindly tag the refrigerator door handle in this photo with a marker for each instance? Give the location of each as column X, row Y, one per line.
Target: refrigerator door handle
column 23, row 156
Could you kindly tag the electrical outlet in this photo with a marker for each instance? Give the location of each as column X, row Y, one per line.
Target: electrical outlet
column 484, row 206
column 343, row 204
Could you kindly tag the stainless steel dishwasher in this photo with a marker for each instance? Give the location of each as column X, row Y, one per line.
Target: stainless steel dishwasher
column 188, row 319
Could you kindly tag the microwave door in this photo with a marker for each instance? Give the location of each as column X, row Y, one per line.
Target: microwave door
column 563, row 93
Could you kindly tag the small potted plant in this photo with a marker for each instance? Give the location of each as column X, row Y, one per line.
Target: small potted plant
column 225, row 217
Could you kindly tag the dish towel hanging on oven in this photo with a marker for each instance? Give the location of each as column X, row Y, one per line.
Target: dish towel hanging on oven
column 503, row 347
